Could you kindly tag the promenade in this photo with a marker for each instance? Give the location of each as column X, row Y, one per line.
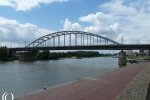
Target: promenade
column 119, row 84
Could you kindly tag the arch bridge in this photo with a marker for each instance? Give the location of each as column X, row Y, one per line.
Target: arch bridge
column 71, row 38
column 75, row 40
column 78, row 40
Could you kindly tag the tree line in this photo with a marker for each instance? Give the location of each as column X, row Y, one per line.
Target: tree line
column 46, row 55
column 6, row 55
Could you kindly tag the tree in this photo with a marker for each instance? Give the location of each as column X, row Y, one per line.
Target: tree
column 4, row 53
column 44, row 55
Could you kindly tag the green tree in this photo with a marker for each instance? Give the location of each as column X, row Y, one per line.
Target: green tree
column 44, row 55
column 4, row 53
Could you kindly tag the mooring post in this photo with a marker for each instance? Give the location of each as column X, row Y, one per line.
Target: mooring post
column 122, row 58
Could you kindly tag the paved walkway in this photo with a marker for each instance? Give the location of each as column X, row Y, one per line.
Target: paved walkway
column 137, row 89
column 104, row 87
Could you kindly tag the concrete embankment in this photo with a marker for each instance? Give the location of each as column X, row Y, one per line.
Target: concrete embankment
column 138, row 87
column 104, row 87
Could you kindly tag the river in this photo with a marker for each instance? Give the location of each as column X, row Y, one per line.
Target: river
column 22, row 78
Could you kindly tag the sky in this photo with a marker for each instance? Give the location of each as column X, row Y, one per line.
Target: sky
column 26, row 20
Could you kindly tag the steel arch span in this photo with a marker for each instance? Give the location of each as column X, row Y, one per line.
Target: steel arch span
column 71, row 38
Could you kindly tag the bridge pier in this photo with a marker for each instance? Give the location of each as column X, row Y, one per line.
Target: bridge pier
column 122, row 58
column 12, row 53
column 28, row 55
column 149, row 52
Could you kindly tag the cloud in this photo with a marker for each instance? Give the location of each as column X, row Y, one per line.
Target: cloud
column 127, row 19
column 24, row 5
column 68, row 25
column 6, row 3
column 116, row 7
column 13, row 31
column 96, row 18
column 97, row 25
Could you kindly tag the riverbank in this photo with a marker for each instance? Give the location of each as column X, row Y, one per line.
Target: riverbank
column 104, row 87
column 138, row 88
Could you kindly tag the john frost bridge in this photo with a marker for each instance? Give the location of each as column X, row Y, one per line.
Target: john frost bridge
column 75, row 40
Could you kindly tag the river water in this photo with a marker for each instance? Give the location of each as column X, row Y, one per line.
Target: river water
column 22, row 78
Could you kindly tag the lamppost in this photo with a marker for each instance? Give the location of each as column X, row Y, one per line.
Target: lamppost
column 122, row 39
column 19, row 44
column 26, row 43
column 11, row 44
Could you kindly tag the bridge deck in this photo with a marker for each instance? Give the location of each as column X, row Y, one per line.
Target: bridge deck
column 95, row 47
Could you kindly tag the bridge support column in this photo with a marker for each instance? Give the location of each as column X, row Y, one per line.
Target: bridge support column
column 28, row 55
column 12, row 55
column 122, row 58
column 149, row 52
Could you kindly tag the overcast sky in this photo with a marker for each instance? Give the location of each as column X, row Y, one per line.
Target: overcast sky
column 26, row 20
